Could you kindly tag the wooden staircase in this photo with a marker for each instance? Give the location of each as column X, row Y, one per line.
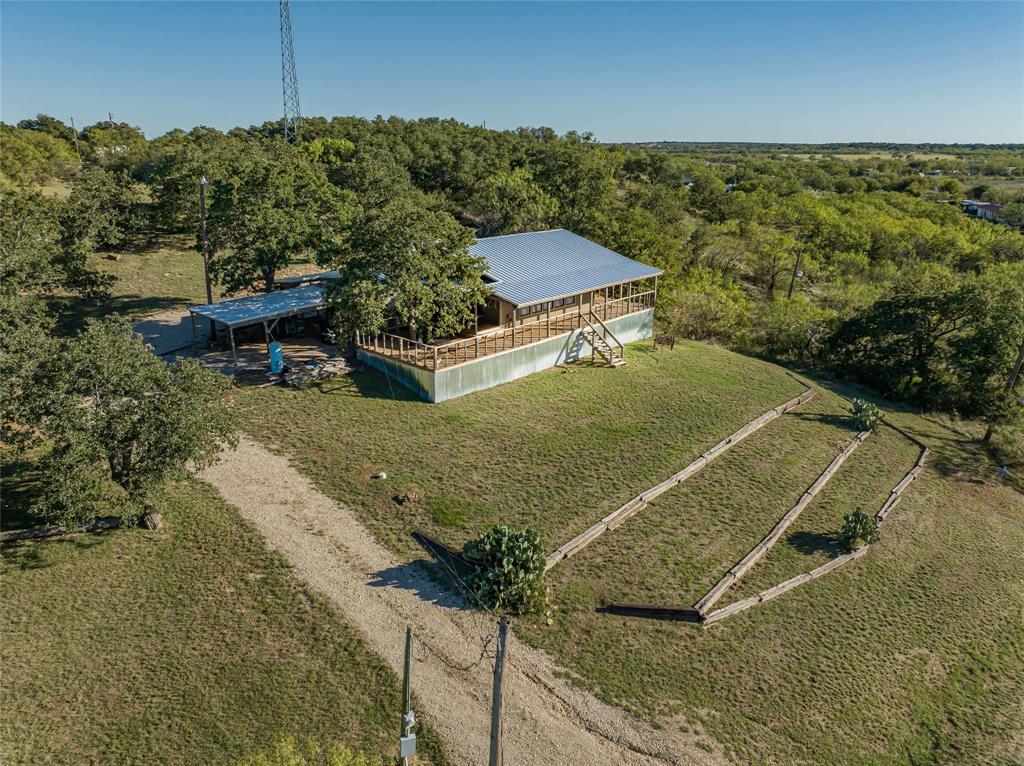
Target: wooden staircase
column 600, row 345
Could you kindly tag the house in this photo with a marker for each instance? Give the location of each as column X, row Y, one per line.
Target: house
column 555, row 298
column 987, row 210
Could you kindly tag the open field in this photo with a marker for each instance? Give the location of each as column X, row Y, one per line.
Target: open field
column 191, row 645
column 911, row 655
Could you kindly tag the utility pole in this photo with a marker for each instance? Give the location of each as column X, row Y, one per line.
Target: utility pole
column 406, row 739
column 497, row 729
column 1006, row 392
column 206, row 250
column 796, row 271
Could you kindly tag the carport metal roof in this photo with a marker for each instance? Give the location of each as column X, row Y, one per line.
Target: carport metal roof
column 544, row 265
column 260, row 308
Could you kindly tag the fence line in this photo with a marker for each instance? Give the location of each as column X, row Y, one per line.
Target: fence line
column 756, row 553
column 633, row 506
column 838, row 561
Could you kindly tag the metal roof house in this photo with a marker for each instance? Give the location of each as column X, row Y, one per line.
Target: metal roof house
column 555, row 297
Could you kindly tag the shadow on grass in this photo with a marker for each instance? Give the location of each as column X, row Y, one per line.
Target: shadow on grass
column 22, row 488
column 73, row 312
column 430, row 581
column 809, row 543
column 370, row 383
column 26, row 555
column 838, row 421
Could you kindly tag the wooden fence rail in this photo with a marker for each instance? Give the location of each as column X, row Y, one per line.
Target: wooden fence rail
column 633, row 506
column 758, row 551
column 705, row 617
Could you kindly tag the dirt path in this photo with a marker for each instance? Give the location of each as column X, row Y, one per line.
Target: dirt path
column 547, row 721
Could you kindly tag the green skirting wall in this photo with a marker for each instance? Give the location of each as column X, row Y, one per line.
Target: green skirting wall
column 508, row 365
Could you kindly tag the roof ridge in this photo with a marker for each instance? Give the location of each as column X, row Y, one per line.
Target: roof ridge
column 522, row 233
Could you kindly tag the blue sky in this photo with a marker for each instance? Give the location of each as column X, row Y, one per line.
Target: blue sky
column 764, row 71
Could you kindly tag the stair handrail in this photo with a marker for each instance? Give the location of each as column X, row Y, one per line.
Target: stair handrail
column 622, row 348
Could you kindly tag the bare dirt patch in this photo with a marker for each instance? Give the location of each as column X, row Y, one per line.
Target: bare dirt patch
column 547, row 721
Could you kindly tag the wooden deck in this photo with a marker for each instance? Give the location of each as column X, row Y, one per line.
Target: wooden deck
column 461, row 350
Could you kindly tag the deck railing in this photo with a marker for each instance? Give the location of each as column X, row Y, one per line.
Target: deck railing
column 440, row 356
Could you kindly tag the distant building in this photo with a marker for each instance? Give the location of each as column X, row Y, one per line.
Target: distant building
column 987, row 210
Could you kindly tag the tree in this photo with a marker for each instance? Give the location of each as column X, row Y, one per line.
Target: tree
column 103, row 211
column 33, row 266
column 510, row 202
column 119, row 414
column 707, row 306
column 414, row 264
column 33, row 157
column 275, row 207
column 116, row 145
column 1012, row 214
column 44, row 123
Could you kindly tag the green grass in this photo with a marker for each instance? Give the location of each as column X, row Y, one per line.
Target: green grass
column 912, row 655
column 165, row 275
column 191, row 645
column 554, row 451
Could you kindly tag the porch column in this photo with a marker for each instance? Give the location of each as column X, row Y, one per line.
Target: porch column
column 548, row 315
column 195, row 351
column 515, row 316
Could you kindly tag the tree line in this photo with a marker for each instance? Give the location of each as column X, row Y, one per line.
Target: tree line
column 857, row 266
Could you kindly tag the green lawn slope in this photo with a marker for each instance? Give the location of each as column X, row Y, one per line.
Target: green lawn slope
column 912, row 655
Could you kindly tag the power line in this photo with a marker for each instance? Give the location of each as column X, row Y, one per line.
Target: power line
column 289, row 77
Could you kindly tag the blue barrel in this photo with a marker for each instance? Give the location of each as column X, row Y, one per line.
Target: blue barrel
column 276, row 351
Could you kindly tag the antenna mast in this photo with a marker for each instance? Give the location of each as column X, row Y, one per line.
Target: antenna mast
column 289, row 78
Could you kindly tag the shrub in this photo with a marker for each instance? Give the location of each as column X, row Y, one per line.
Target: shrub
column 858, row 529
column 866, row 415
column 510, row 569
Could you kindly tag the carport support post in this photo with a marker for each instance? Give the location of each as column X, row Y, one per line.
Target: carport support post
column 234, row 351
column 193, row 318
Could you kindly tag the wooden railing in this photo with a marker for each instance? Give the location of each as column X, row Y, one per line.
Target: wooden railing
column 461, row 350
column 619, row 307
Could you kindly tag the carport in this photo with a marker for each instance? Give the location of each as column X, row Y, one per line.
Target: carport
column 266, row 309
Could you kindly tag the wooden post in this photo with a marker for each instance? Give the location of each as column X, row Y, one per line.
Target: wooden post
column 547, row 314
column 497, row 730
column 435, row 358
column 515, row 316
column 407, row 689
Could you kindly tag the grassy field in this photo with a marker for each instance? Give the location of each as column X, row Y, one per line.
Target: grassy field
column 912, row 655
column 191, row 645
column 554, row 451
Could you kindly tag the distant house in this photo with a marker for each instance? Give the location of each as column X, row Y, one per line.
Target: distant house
column 555, row 298
column 987, row 210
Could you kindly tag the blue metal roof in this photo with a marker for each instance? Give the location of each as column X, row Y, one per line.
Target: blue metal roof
column 544, row 265
column 257, row 308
